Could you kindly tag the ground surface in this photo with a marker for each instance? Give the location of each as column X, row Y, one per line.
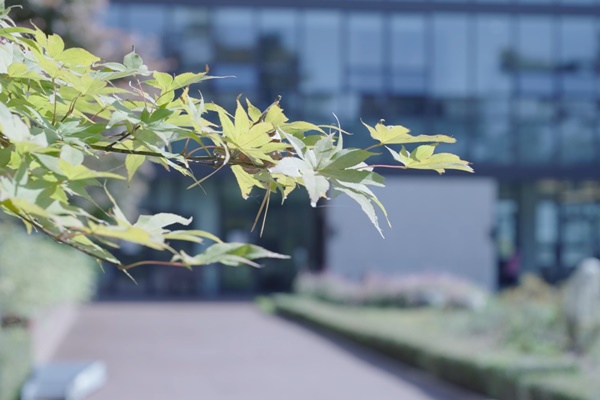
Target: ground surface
column 232, row 351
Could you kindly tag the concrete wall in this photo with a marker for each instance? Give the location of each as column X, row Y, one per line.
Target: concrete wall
column 439, row 224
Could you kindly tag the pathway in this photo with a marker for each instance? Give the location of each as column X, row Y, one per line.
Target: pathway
column 232, row 351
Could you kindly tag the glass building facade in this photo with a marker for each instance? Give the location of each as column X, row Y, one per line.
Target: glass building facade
column 516, row 82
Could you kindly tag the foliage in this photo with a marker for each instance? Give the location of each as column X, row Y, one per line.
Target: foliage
column 419, row 290
column 61, row 107
column 422, row 338
column 33, row 280
column 15, row 361
column 527, row 318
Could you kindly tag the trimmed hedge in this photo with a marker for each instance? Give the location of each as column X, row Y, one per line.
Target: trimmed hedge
column 35, row 274
column 501, row 375
column 15, row 361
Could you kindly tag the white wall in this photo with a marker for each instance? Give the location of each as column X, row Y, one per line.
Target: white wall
column 438, row 224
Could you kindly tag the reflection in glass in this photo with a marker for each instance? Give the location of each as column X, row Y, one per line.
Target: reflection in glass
column 115, row 16
column 279, row 66
column 577, row 127
column 579, row 55
column 407, row 54
column 188, row 39
column 450, row 62
column 365, row 52
column 536, row 130
column 234, row 27
column 458, row 129
column 546, row 232
column 146, row 19
column 281, row 24
column 536, row 142
column 241, row 77
column 533, row 61
column 321, row 59
column 493, row 44
column 492, row 141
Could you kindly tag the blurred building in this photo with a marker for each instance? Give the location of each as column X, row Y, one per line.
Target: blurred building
column 516, row 82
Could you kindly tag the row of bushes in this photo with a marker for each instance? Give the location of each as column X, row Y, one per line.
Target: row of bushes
column 530, row 318
column 433, row 289
column 35, row 274
column 499, row 374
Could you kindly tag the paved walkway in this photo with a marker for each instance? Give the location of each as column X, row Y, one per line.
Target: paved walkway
column 231, row 351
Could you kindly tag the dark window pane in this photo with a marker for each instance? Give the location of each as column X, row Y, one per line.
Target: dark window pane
column 278, row 55
column 281, row 24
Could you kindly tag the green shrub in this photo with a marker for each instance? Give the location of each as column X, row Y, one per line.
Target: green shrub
column 417, row 290
column 15, row 361
column 527, row 318
column 503, row 375
column 36, row 273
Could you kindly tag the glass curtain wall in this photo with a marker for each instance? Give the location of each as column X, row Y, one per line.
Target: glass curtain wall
column 515, row 81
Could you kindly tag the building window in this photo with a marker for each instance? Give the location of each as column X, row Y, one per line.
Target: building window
column 407, row 54
column 365, row 52
column 321, row 57
column 533, row 61
column 450, row 64
column 579, row 60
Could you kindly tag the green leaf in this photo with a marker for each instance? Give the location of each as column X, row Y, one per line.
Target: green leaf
column 233, row 254
column 245, row 181
column 191, row 235
column 187, row 79
column 400, row 135
column 132, row 163
column 54, row 45
column 76, row 57
column 316, row 185
column 71, row 155
column 437, row 162
column 14, row 128
column 156, row 223
column 79, row 172
column 133, row 61
column 5, row 157
column 348, row 158
column 162, row 81
column 253, row 112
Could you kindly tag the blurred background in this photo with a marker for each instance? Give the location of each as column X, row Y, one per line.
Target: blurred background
column 516, row 83
column 483, row 256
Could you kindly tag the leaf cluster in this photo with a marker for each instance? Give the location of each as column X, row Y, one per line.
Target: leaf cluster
column 61, row 107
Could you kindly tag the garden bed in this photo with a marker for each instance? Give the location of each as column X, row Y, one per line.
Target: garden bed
column 425, row 338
